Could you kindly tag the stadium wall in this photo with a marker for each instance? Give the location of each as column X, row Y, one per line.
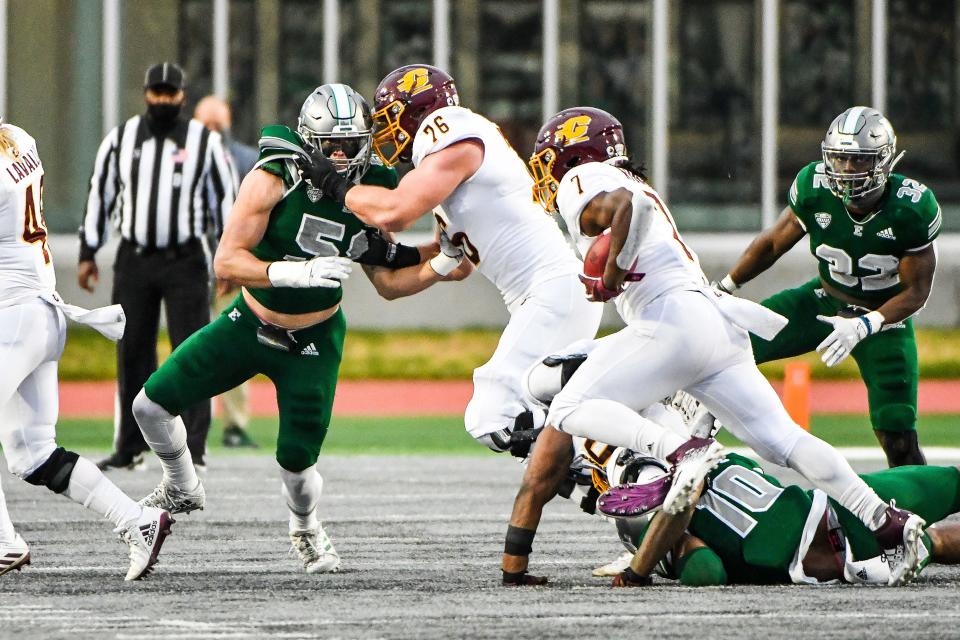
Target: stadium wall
column 476, row 303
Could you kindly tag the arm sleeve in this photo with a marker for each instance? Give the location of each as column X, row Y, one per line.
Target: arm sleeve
column 101, row 198
column 221, row 182
column 929, row 223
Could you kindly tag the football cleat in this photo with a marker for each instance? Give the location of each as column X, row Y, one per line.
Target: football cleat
column 145, row 537
column 523, row 579
column 175, row 500
column 634, row 500
column 315, row 550
column 692, row 461
column 900, row 537
column 614, row 567
column 14, row 555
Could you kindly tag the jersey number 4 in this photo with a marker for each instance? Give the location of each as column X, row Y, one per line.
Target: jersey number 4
column 34, row 225
column 841, row 268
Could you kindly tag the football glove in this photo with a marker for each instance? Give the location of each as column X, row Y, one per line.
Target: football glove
column 846, row 334
column 596, row 290
column 323, row 175
column 449, row 257
column 324, row 272
column 726, row 284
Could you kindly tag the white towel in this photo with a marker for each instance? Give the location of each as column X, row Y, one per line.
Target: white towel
column 746, row 314
column 109, row 321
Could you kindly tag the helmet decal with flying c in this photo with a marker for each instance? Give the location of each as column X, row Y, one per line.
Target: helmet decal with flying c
column 573, row 137
column 336, row 120
column 403, row 99
column 859, row 152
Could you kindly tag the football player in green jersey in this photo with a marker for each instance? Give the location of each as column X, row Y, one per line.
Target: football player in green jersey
column 748, row 528
column 872, row 232
column 289, row 248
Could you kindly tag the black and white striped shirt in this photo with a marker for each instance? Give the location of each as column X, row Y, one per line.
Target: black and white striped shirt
column 158, row 192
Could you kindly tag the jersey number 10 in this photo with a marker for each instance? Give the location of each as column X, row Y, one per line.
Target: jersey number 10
column 34, row 226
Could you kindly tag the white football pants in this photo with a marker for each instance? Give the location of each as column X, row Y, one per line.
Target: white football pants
column 552, row 316
column 680, row 341
column 32, row 336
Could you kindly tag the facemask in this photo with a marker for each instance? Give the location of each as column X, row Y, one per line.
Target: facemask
column 163, row 116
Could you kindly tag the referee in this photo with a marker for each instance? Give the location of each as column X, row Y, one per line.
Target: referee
column 163, row 181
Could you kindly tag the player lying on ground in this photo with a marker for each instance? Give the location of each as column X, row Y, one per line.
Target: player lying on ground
column 480, row 189
column 32, row 334
column 680, row 334
column 747, row 528
column 289, row 248
column 872, row 232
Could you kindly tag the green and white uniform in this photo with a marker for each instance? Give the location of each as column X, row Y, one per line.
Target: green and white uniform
column 860, row 258
column 761, row 530
column 226, row 352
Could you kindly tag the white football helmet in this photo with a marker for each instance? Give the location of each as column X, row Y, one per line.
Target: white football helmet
column 336, row 120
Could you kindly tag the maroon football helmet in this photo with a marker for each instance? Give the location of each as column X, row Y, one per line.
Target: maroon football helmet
column 568, row 139
column 404, row 98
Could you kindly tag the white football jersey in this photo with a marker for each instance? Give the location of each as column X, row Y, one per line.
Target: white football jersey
column 665, row 261
column 26, row 266
column 492, row 215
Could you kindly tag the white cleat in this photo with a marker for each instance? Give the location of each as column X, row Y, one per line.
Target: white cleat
column 315, row 550
column 615, row 567
column 14, row 555
column 692, row 462
column 175, row 500
column 145, row 537
column 901, row 538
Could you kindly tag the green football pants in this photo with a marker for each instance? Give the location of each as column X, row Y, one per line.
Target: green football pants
column 226, row 352
column 933, row 493
column 887, row 360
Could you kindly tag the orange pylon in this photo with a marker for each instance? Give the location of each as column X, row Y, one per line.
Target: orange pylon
column 796, row 392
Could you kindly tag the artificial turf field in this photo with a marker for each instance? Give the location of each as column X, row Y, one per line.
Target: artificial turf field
column 420, row 527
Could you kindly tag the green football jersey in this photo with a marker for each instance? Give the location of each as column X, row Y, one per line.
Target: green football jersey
column 304, row 224
column 751, row 521
column 862, row 257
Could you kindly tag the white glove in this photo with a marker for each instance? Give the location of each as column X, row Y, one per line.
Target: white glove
column 847, row 332
column 726, row 284
column 325, row 272
column 449, row 257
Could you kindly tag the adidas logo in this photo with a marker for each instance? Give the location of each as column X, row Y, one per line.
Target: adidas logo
column 862, row 574
column 886, row 234
column 149, row 532
column 310, row 350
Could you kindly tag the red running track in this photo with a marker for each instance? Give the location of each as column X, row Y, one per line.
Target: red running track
column 404, row 398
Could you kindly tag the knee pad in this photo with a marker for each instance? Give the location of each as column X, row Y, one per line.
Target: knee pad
column 895, row 417
column 55, row 472
column 545, row 379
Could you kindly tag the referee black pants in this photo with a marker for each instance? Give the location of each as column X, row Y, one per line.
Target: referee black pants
column 179, row 278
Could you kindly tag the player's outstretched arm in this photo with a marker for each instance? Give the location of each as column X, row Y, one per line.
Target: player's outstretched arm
column 765, row 250
column 392, row 284
column 546, row 470
column 234, row 262
column 419, row 191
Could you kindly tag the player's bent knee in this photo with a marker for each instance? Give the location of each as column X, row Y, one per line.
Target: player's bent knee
column 55, row 472
column 895, row 417
column 145, row 408
column 702, row 567
column 297, row 458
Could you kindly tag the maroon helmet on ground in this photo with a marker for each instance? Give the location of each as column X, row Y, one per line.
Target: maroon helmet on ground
column 570, row 138
column 404, row 98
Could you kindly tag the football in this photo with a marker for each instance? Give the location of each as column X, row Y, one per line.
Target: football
column 596, row 259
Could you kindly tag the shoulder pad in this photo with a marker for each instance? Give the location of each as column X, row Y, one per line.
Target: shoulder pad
column 280, row 139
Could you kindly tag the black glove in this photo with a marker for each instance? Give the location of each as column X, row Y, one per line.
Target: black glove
column 380, row 252
column 322, row 174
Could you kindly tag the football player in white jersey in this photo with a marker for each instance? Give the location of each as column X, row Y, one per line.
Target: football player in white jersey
column 32, row 334
column 680, row 334
column 467, row 172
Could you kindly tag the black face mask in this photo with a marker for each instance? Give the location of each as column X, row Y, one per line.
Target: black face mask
column 162, row 117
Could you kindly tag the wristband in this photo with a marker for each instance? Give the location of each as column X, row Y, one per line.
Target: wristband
column 406, row 256
column 443, row 264
column 727, row 284
column 874, row 321
column 519, row 541
column 285, row 273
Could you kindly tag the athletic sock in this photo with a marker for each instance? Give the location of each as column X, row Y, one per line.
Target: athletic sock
column 167, row 436
column 89, row 487
column 830, row 472
column 7, row 532
column 302, row 491
column 616, row 424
